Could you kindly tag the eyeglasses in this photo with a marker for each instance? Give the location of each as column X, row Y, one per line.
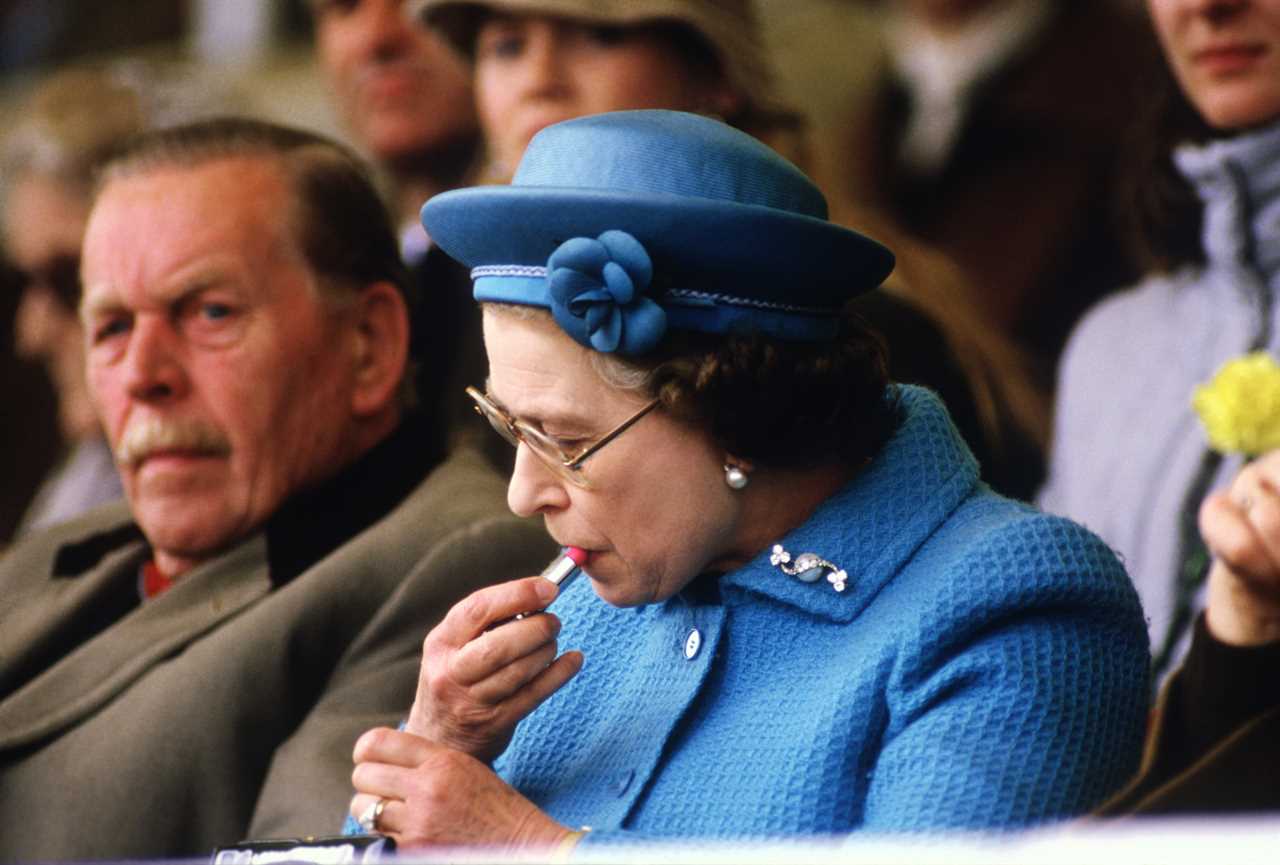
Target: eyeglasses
column 543, row 446
column 60, row 275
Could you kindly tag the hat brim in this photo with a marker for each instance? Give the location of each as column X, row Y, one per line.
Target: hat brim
column 700, row 244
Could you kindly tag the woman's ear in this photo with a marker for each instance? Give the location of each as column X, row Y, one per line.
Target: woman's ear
column 381, row 356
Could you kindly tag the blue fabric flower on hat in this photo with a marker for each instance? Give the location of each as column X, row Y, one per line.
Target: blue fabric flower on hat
column 598, row 297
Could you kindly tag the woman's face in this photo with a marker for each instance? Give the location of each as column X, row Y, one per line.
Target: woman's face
column 657, row 511
column 1225, row 55
column 534, row 70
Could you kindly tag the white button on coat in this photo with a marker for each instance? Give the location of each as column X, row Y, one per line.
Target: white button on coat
column 692, row 644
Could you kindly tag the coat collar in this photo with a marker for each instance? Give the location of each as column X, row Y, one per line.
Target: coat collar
column 1238, row 179
column 872, row 526
column 105, row 665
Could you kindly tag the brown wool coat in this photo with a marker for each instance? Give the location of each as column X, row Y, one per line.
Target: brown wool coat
column 224, row 709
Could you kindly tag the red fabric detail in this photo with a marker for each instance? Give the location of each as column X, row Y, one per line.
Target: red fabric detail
column 153, row 581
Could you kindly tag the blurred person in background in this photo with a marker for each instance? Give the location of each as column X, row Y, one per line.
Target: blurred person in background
column 1214, row 741
column 1203, row 203
column 70, row 123
column 406, row 101
column 993, row 139
column 192, row 667
column 537, row 62
column 30, row 442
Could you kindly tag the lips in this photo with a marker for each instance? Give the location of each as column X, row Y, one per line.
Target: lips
column 1229, row 57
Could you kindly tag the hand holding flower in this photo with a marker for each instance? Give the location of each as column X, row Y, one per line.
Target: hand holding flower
column 1240, row 410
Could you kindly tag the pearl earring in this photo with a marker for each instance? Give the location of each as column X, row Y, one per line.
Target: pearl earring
column 735, row 477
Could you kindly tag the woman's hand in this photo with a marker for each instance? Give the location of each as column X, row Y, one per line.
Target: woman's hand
column 1241, row 527
column 438, row 796
column 481, row 672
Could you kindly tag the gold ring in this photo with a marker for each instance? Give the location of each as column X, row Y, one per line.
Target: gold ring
column 368, row 819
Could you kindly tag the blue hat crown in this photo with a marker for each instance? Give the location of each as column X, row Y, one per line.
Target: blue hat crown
column 664, row 153
column 627, row 224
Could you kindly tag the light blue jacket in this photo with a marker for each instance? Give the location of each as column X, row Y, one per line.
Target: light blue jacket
column 985, row 667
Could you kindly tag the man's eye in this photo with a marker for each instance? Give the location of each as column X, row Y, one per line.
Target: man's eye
column 107, row 329
column 215, row 311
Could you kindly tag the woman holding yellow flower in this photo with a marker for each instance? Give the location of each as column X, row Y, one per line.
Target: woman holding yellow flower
column 1130, row 458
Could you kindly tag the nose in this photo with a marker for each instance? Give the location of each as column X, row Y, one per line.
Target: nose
column 387, row 28
column 534, row 488
column 541, row 72
column 152, row 370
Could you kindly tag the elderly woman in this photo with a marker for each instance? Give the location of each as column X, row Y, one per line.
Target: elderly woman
column 803, row 613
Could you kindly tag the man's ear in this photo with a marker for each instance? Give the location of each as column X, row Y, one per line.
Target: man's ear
column 381, row 353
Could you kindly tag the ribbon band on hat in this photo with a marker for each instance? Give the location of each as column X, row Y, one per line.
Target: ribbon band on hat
column 599, row 292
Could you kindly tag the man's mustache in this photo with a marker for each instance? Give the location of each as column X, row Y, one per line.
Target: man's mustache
column 145, row 437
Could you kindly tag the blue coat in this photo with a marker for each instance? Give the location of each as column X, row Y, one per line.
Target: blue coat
column 985, row 667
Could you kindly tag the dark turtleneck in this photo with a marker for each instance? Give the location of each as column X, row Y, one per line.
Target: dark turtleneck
column 314, row 523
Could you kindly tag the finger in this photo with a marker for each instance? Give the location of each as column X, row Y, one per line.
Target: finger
column 493, row 650
column 1230, row 536
column 381, row 780
column 509, row 679
column 1263, row 514
column 552, row 679
column 393, row 747
column 392, row 819
column 471, row 616
column 392, row 816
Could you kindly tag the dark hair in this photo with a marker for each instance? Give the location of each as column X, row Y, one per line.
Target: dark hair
column 777, row 403
column 1159, row 209
column 343, row 228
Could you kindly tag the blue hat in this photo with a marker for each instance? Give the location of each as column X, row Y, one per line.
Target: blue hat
column 631, row 223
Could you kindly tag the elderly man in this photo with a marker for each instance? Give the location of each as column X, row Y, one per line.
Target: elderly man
column 405, row 98
column 194, row 668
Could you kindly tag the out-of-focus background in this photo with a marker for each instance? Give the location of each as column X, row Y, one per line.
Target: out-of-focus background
column 258, row 55
column 979, row 138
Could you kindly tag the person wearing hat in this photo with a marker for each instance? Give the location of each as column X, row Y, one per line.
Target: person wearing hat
column 803, row 613
column 537, row 62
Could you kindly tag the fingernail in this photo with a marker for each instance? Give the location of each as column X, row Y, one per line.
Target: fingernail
column 546, row 590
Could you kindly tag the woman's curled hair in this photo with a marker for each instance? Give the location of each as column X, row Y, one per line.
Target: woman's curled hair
column 776, row 403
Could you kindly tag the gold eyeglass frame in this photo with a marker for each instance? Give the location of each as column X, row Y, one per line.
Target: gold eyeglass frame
column 515, row 431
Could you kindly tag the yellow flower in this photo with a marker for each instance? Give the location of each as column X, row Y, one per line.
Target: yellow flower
column 1240, row 407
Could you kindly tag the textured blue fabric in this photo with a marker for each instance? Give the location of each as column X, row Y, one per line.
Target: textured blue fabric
column 986, row 667
column 597, row 293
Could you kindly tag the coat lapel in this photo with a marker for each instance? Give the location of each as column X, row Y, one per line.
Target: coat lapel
column 52, row 611
column 98, row 670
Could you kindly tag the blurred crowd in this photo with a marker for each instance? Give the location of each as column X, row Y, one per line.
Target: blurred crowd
column 929, row 121
column 1081, row 237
